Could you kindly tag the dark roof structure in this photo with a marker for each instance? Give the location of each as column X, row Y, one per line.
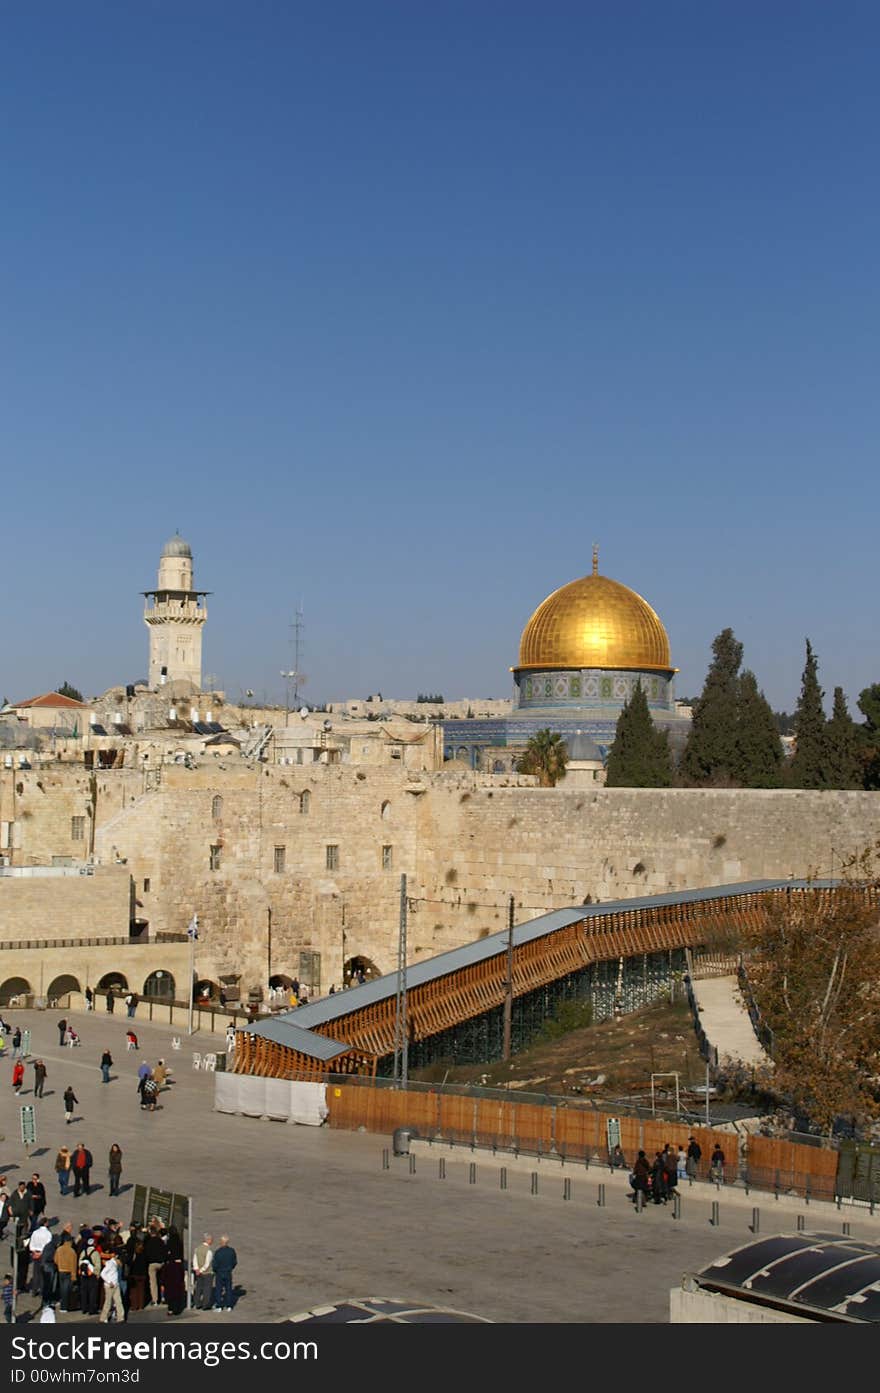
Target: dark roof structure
column 819, row 1276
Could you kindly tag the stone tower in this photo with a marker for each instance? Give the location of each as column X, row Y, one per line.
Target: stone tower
column 174, row 614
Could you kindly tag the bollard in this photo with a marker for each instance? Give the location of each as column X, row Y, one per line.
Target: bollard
column 412, row 1163
column 586, row 1162
column 776, row 1186
column 534, row 1182
column 472, row 1173
column 676, row 1206
column 601, row 1200
column 846, row 1230
column 503, row 1177
column 441, row 1169
column 386, row 1159
column 566, row 1189
column 716, row 1219
column 807, row 1190
column 639, row 1201
column 756, row 1221
column 800, row 1223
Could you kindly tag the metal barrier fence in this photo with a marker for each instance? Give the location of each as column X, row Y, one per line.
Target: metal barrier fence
column 763, row 1033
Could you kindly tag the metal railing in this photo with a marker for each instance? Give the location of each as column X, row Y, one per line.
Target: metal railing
column 763, row 1033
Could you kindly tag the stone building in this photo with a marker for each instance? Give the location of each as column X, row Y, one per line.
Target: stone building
column 175, row 615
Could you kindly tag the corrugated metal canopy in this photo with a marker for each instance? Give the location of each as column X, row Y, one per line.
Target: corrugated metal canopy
column 282, row 1032
column 343, row 1003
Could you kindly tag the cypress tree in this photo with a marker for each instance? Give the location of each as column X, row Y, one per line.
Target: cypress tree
column 869, row 735
column 639, row 756
column 841, row 740
column 758, row 746
column 809, row 765
column 711, row 750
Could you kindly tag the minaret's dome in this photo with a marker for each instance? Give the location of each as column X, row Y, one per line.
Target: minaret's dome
column 176, row 546
column 595, row 622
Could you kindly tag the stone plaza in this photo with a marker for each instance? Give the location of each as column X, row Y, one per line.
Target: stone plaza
column 315, row 1218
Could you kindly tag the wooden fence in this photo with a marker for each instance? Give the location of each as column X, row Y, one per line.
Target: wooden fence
column 579, row 1134
column 792, row 1166
column 570, row 1132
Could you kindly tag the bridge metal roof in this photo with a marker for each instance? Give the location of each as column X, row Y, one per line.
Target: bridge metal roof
column 341, row 1004
column 282, row 1031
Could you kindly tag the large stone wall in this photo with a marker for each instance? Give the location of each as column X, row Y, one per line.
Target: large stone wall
column 81, row 913
column 61, row 905
column 466, row 842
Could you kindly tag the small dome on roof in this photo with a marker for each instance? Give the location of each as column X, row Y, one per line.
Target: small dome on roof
column 176, row 546
column 583, row 748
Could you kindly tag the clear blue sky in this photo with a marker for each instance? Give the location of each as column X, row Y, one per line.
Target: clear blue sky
column 395, row 308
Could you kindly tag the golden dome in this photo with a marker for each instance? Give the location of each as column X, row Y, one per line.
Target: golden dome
column 595, row 622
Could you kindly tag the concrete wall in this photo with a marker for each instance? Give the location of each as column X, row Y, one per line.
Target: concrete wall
column 710, row 1308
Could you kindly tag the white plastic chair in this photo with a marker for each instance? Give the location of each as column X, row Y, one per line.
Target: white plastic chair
column 210, row 1063
column 197, row 1060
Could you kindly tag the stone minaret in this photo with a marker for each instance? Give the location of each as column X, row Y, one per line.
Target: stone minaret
column 174, row 614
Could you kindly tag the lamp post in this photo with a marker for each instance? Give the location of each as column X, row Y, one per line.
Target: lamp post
column 192, row 934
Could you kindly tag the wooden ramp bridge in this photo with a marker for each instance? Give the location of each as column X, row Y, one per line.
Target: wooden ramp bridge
column 616, row 955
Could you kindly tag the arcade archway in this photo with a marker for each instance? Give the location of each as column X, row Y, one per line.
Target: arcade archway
column 13, row 991
column 60, row 990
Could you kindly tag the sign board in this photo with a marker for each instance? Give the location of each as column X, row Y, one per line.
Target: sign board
column 25, row 1043
column 165, row 1205
column 28, row 1125
column 612, row 1130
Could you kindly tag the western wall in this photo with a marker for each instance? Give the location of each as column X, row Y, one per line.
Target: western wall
column 246, row 847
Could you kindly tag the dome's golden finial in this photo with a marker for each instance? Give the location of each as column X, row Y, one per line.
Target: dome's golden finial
column 595, row 558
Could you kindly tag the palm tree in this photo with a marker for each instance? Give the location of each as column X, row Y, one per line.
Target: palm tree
column 546, row 755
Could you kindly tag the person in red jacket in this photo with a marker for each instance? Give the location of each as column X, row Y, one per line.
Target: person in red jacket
column 17, row 1075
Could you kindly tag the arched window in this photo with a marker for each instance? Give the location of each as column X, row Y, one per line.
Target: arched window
column 305, row 799
column 216, row 807
column 159, row 986
column 386, row 810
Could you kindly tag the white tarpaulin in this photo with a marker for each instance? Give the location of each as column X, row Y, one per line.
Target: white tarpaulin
column 308, row 1103
column 276, row 1098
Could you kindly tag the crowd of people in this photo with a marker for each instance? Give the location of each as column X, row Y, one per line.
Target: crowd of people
column 658, row 1180
column 107, row 1270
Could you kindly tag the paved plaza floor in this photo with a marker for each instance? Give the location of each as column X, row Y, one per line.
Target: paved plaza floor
column 315, row 1218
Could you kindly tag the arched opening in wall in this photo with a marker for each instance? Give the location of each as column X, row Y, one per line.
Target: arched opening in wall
column 280, row 981
column 497, row 767
column 159, row 986
column 14, row 991
column 206, row 991
column 216, row 807
column 113, row 982
column 305, row 801
column 386, row 810
column 60, row 989
column 359, row 970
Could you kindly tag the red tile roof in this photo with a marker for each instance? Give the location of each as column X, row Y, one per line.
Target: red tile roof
column 53, row 699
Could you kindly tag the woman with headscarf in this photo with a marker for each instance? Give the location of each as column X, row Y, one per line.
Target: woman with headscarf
column 114, row 1166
